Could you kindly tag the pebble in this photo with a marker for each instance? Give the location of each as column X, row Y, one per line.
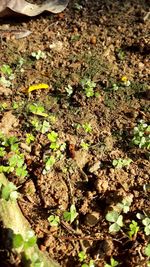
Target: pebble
column 91, row 219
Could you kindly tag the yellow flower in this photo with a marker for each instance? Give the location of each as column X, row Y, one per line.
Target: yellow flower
column 124, row 79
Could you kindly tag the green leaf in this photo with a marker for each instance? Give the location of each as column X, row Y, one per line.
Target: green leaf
column 54, row 220
column 6, row 69
column 2, row 152
column 146, row 221
column 114, row 228
column 147, row 250
column 49, row 163
column 82, row 256
column 70, row 215
column 52, row 136
column 54, row 146
column 7, row 190
column 21, row 172
column 134, row 228
column 17, row 241
column 45, row 127
column 120, row 220
column 112, row 216
column 30, row 242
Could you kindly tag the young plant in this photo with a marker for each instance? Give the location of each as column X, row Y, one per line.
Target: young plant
column 84, row 145
column 146, row 223
column 87, row 127
column 24, row 243
column 69, row 90
column 134, row 228
column 124, row 206
column 142, row 135
column 147, row 250
column 71, row 215
column 29, row 138
column 7, row 75
column 116, row 219
column 6, row 69
column 53, row 138
column 37, row 109
column 8, row 191
column 39, row 54
column 82, row 256
column 88, row 86
column 50, row 161
column 2, row 152
column 120, row 163
column 16, row 161
column 40, row 127
column 113, row 263
column 147, row 253
column 54, row 220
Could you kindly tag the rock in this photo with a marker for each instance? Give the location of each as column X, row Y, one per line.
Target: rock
column 31, row 9
column 91, row 219
column 94, row 167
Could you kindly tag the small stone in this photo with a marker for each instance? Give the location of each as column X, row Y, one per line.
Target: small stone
column 95, row 167
column 141, row 65
column 93, row 40
column 91, row 219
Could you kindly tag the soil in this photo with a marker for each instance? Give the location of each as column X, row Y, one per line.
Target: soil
column 107, row 42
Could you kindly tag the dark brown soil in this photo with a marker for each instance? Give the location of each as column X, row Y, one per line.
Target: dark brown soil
column 108, row 42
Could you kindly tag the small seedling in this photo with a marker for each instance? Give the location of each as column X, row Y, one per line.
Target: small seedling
column 71, row 215
column 121, row 54
column 49, row 164
column 5, row 82
column 8, row 191
column 11, row 142
column 37, row 109
column 24, row 243
column 134, row 228
column 82, row 256
column 142, row 135
column 116, row 219
column 69, row 90
column 29, row 138
column 6, row 69
column 53, row 220
column 77, row 6
column 2, row 152
column 120, row 163
column 113, row 263
column 52, row 136
column 87, row 127
column 88, row 86
column 146, row 223
column 44, row 127
column 39, row 54
column 125, row 204
column 147, row 250
column 115, row 87
column 84, row 145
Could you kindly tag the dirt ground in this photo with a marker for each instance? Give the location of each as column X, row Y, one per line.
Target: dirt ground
column 107, row 42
